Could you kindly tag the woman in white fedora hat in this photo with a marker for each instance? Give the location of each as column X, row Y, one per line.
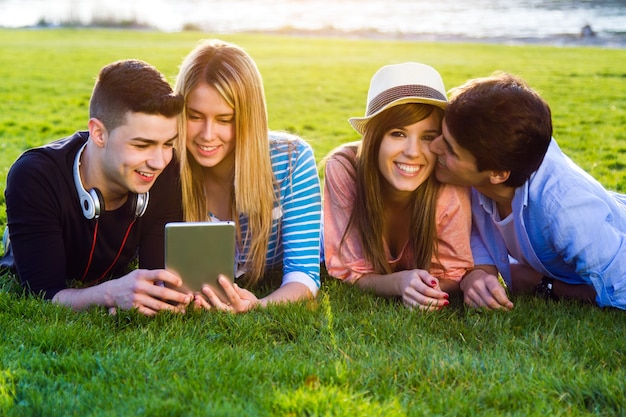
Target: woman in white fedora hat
column 389, row 226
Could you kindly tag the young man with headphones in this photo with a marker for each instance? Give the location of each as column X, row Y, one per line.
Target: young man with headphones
column 81, row 209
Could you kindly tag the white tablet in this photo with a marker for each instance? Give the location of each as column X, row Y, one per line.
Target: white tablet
column 199, row 252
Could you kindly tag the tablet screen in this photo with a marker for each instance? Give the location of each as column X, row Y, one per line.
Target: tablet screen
column 199, row 252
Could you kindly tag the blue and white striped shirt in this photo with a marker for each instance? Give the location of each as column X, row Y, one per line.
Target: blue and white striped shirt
column 296, row 218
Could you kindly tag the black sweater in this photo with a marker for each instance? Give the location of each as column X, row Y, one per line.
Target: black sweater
column 51, row 240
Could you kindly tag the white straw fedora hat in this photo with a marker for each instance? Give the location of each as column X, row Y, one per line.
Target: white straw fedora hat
column 410, row 82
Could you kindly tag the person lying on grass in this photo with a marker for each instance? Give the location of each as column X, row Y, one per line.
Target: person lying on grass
column 81, row 209
column 389, row 226
column 235, row 169
column 564, row 231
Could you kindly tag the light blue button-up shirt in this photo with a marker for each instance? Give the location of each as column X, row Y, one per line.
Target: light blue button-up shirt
column 568, row 225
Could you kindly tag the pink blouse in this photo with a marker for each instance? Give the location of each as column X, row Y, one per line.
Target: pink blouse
column 453, row 216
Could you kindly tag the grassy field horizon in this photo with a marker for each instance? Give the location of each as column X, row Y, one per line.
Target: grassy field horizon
column 346, row 353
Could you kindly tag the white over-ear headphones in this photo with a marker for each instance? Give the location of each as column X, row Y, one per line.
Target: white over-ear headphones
column 92, row 202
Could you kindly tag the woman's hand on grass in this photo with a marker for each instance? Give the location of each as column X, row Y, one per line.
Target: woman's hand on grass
column 421, row 290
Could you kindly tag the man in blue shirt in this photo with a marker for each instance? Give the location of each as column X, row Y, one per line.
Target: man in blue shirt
column 539, row 220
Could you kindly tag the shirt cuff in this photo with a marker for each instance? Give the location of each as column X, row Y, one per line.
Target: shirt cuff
column 302, row 278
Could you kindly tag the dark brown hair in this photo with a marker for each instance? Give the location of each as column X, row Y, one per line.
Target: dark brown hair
column 505, row 124
column 135, row 86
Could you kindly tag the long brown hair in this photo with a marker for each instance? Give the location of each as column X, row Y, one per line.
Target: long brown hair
column 367, row 216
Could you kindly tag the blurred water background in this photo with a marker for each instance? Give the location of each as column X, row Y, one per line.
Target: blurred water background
column 545, row 21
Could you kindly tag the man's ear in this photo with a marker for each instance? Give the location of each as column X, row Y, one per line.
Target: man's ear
column 499, row 177
column 97, row 131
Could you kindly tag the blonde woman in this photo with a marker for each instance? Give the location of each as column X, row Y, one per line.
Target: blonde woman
column 235, row 169
column 389, row 226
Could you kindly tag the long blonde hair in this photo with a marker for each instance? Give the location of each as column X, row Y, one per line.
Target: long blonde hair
column 232, row 72
column 367, row 217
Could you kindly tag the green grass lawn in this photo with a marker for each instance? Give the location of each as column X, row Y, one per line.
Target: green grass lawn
column 347, row 353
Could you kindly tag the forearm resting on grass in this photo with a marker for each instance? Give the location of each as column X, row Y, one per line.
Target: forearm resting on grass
column 138, row 290
column 288, row 293
column 482, row 289
column 241, row 300
column 525, row 280
column 416, row 287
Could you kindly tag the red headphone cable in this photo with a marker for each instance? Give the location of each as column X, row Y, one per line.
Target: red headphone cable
column 93, row 247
